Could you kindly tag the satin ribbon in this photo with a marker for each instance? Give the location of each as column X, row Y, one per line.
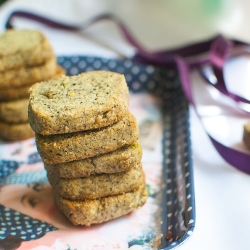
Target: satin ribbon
column 184, row 60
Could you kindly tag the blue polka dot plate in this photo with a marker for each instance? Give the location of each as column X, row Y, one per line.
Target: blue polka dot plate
column 27, row 213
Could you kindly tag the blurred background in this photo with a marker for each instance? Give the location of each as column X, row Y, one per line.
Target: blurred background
column 156, row 24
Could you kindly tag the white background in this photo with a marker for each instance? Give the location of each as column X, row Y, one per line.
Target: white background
column 222, row 193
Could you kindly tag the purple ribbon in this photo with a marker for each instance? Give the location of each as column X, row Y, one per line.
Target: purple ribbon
column 218, row 49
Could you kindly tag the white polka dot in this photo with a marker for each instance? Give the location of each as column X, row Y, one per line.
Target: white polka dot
column 189, row 196
column 170, row 227
column 188, row 185
column 128, row 77
column 169, row 191
column 82, row 64
column 149, row 69
column 135, row 70
column 120, row 70
column 190, row 232
column 191, row 221
column 167, row 142
column 74, row 71
column 143, row 78
column 169, row 180
column 60, row 60
column 127, row 64
column 67, row 64
column 135, row 85
column 167, row 151
column 75, row 59
column 112, row 64
column 187, row 174
column 169, row 215
column 97, row 64
column 169, row 203
column 167, row 161
column 189, row 209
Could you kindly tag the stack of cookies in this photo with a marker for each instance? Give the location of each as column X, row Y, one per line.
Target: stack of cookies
column 26, row 57
column 88, row 141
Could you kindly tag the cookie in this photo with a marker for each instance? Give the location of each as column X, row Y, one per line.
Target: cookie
column 27, row 75
column 20, row 48
column 14, row 111
column 246, row 134
column 96, row 211
column 98, row 186
column 69, row 104
column 114, row 162
column 80, row 145
column 15, row 132
column 10, row 94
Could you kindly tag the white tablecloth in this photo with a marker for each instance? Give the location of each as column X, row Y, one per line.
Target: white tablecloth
column 221, row 192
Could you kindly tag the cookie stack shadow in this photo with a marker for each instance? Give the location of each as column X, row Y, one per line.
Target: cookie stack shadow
column 26, row 57
column 88, row 140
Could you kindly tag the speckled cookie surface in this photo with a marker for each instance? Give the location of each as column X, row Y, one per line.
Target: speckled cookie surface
column 10, row 94
column 96, row 211
column 114, row 162
column 15, row 132
column 87, row 101
column 20, row 48
column 14, row 111
column 27, row 74
column 80, row 145
column 98, row 186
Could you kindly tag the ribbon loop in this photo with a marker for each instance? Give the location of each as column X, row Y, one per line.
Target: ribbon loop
column 219, row 51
